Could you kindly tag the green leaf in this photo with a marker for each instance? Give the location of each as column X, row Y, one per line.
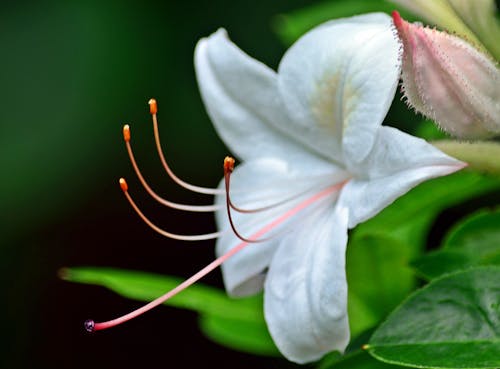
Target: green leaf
column 378, row 277
column 144, row 286
column 356, row 360
column 222, row 319
column 239, row 334
column 437, row 263
column 354, row 357
column 380, row 249
column 478, row 233
column 474, row 241
column 290, row 27
column 453, row 322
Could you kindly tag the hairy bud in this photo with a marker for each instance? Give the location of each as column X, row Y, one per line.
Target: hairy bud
column 448, row 80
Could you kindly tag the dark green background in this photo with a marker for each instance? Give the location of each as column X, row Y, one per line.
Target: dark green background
column 71, row 74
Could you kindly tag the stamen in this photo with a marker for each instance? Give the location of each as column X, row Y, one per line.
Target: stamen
column 228, row 169
column 91, row 326
column 200, row 237
column 153, row 109
column 161, row 200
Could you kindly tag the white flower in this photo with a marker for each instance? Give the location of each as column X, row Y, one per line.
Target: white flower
column 311, row 143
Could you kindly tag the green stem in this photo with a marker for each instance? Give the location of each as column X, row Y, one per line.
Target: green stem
column 482, row 156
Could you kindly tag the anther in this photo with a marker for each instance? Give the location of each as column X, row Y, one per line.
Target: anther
column 228, row 165
column 126, row 133
column 153, row 106
column 123, row 184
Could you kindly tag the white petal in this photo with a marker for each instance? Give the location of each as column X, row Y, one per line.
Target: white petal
column 242, row 100
column 305, row 296
column 397, row 163
column 257, row 184
column 338, row 82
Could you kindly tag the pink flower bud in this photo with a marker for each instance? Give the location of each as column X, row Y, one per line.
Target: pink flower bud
column 448, row 80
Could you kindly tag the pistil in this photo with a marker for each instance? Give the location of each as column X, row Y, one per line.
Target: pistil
column 91, row 326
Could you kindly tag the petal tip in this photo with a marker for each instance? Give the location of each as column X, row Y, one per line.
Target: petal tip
column 396, row 18
column 221, row 32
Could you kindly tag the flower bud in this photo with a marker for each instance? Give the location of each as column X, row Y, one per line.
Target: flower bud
column 448, row 80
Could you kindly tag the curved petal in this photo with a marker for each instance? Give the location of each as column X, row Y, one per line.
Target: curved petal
column 256, row 184
column 305, row 296
column 338, row 82
column 397, row 163
column 241, row 97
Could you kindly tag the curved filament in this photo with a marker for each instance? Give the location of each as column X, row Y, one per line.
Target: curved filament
column 180, row 182
column 200, row 237
column 161, row 200
column 228, row 169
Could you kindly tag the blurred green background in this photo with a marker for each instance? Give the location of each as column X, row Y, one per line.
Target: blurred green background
column 72, row 74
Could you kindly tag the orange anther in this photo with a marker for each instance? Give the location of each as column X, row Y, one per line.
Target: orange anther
column 123, row 185
column 126, row 132
column 228, row 164
column 153, row 106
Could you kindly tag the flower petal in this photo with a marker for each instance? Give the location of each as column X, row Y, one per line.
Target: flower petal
column 257, row 184
column 338, row 82
column 241, row 98
column 305, row 296
column 397, row 163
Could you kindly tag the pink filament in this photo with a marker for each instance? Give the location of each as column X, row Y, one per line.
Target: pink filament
column 214, row 264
